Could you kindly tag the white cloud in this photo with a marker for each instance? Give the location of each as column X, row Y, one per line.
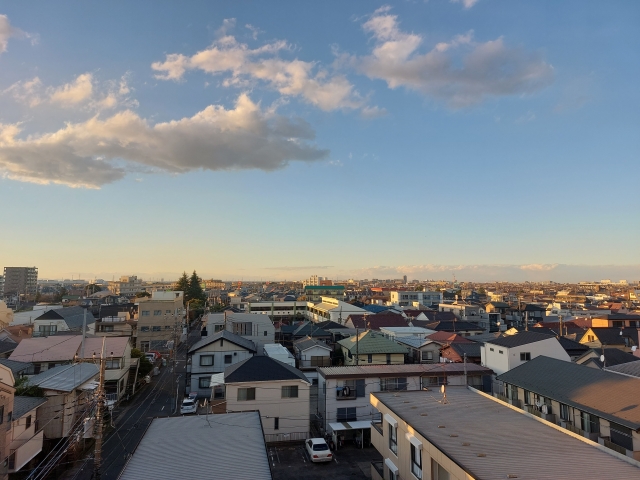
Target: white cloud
column 539, row 267
column 78, row 91
column 83, row 92
column 97, row 152
column 255, row 31
column 461, row 72
column 466, row 3
column 7, row 31
column 291, row 78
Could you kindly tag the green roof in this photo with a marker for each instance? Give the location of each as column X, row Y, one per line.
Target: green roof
column 324, row 287
column 371, row 342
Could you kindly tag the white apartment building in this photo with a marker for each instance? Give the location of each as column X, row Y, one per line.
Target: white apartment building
column 404, row 298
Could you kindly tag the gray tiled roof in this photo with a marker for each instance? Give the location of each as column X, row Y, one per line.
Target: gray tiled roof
column 605, row 394
column 23, row 405
column 261, row 369
column 405, row 370
column 73, row 316
column 489, row 440
column 217, row 446
column 307, row 342
column 16, row 367
column 631, row 368
column 65, row 378
column 226, row 335
column 370, row 342
column 520, row 338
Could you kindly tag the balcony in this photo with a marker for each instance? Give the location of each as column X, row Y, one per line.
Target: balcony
column 23, row 452
column 315, row 362
column 346, row 393
column 377, row 470
column 516, row 403
column 613, row 446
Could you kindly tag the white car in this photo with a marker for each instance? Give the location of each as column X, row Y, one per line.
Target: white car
column 188, row 406
column 318, row 450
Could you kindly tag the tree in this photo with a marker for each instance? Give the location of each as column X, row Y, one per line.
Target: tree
column 25, row 390
column 182, row 285
column 61, row 293
column 194, row 290
column 142, row 294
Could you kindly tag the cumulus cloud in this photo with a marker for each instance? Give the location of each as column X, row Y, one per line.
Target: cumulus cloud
column 461, row 72
column 99, row 151
column 84, row 92
column 6, row 32
column 242, row 65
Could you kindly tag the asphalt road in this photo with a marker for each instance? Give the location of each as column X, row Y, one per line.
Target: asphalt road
column 130, row 421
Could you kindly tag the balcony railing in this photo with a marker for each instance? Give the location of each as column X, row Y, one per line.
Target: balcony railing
column 378, row 467
column 316, row 362
column 515, row 403
column 378, row 427
column 345, row 393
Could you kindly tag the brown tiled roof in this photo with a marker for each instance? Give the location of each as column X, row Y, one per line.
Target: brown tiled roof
column 448, row 337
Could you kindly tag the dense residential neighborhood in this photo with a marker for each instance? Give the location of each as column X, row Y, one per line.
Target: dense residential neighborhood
column 275, row 365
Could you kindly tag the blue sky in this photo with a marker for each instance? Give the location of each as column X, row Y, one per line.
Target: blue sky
column 490, row 139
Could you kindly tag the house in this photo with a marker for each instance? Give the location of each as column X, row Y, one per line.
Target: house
column 160, row 319
column 295, row 331
column 16, row 333
column 26, row 435
column 600, row 405
column 19, row 369
column 117, row 365
column 332, row 309
column 376, row 321
column 574, row 349
column 311, row 353
column 343, row 392
column 397, row 332
column 212, row 354
column 370, row 347
column 69, row 319
column 422, row 437
column 405, row 298
column 7, row 389
column 278, row 391
column 280, row 353
column 257, row 328
column 69, row 390
column 421, row 349
column 604, row 337
column 467, row 329
column 449, row 337
column 204, row 447
column 505, row 353
column 612, row 357
column 458, row 352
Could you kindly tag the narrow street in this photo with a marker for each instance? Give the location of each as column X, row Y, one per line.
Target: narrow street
column 130, row 421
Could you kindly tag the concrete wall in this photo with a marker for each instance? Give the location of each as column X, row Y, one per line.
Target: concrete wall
column 376, row 359
column 502, row 359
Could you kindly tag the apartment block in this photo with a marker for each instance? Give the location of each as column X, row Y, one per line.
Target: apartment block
column 160, row 319
column 20, row 280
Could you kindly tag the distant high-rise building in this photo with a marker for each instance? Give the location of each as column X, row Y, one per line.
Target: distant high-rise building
column 405, row 279
column 20, row 280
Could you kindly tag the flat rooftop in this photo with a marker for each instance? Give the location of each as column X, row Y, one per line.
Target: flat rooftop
column 512, row 443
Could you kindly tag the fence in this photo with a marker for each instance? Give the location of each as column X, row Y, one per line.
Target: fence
column 286, row 437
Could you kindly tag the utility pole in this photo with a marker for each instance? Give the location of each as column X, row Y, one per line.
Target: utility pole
column 97, row 460
column 357, row 347
column 84, row 330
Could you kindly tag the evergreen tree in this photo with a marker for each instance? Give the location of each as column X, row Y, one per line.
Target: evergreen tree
column 183, row 285
column 194, row 290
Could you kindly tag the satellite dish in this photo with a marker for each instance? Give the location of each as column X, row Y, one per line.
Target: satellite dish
column 602, row 358
column 634, row 348
column 441, row 388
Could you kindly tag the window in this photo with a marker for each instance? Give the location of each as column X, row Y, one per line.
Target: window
column 500, row 352
column 46, row 330
column 113, row 364
column 156, row 328
column 245, row 394
column 228, row 359
column 157, row 312
column 388, row 359
column 145, row 313
column 527, row 397
column 265, row 333
column 206, row 360
column 28, row 422
column 290, row 391
column 167, row 327
column 393, row 384
column 218, row 328
column 347, row 414
column 107, row 328
column 167, row 312
column 427, row 356
column 243, row 328
column 525, row 356
column 369, row 358
column 590, row 423
column 276, row 423
column 393, row 439
column 621, row 435
column 491, row 348
column 428, row 382
column 564, row 411
column 144, row 346
column 438, row 472
column 144, row 329
column 204, row 382
column 218, row 392
column 1, row 414
column 416, row 461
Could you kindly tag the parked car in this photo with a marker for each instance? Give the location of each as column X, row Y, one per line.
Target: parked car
column 188, row 406
column 318, row 450
column 193, row 396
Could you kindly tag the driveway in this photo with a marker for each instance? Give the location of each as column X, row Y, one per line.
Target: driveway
column 293, row 463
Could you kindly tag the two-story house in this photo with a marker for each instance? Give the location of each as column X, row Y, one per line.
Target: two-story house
column 252, row 326
column 60, row 320
column 26, row 436
column 212, row 354
column 504, row 353
column 370, row 347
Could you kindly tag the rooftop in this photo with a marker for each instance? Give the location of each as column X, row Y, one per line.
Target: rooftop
column 543, row 452
column 434, row 369
column 226, row 335
column 370, row 342
column 218, row 446
column 261, row 369
column 23, row 405
column 520, row 338
column 609, row 395
column 65, row 378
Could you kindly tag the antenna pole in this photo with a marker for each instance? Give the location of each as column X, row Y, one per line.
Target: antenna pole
column 97, row 461
column 357, row 347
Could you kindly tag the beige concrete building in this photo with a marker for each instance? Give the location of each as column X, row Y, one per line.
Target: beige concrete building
column 127, row 285
column 160, row 319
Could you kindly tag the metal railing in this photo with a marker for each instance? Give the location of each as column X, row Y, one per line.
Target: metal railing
column 378, row 427
column 286, row 437
column 379, row 467
column 613, row 446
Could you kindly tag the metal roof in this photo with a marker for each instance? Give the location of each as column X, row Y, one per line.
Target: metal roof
column 23, row 405
column 605, row 394
column 261, row 369
column 215, row 446
column 16, row 367
column 65, row 378
column 489, row 440
column 631, row 368
column 308, row 342
column 226, row 335
column 520, row 338
column 370, row 342
column 73, row 316
column 47, row 349
column 416, row 369
column 415, row 342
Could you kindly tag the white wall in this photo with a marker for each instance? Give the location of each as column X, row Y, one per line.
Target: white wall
column 510, row 357
column 218, row 351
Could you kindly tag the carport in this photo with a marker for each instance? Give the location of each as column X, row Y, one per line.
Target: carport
column 349, row 426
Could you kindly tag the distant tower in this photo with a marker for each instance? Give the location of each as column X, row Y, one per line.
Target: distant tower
column 405, row 279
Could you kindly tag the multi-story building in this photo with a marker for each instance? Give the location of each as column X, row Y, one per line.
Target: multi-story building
column 314, row 293
column 1, row 286
column 20, row 280
column 160, row 319
column 405, row 298
column 127, row 286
